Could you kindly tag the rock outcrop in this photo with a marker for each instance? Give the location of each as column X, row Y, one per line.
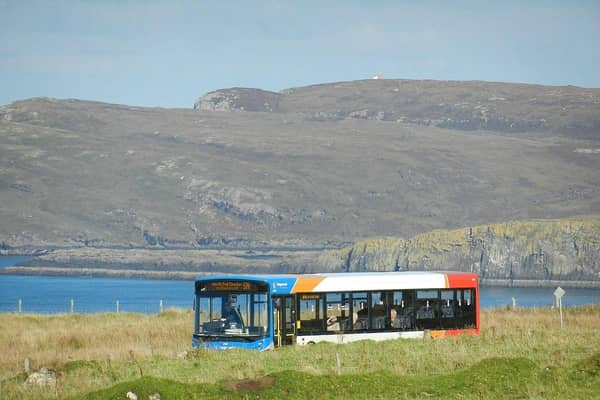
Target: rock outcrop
column 566, row 250
column 44, row 377
column 239, row 99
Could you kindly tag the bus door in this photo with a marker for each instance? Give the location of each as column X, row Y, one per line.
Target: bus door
column 285, row 320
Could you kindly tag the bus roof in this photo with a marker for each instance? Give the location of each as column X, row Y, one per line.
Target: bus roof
column 358, row 281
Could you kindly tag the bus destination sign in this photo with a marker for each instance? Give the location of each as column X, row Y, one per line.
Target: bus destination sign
column 229, row 286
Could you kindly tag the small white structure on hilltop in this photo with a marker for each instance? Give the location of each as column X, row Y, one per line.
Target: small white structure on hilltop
column 377, row 77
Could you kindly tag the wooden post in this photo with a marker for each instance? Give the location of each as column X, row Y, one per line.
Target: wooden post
column 117, row 306
column 20, row 306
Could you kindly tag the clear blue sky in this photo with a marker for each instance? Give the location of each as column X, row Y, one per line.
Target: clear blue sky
column 168, row 53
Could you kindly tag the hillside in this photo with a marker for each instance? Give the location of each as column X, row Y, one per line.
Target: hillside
column 474, row 105
column 294, row 173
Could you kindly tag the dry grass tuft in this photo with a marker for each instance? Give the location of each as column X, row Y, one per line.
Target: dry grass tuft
column 56, row 339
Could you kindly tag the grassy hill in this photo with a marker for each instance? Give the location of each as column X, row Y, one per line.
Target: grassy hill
column 310, row 169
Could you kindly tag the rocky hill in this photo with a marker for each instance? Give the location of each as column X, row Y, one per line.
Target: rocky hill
column 239, row 99
column 543, row 250
column 470, row 106
column 308, row 168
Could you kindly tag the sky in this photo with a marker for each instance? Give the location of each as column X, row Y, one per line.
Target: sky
column 169, row 53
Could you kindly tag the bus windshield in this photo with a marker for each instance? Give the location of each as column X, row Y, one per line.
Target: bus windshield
column 226, row 313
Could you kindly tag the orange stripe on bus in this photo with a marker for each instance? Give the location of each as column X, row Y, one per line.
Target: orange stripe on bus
column 306, row 284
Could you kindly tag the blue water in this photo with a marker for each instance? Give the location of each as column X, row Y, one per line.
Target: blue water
column 492, row 297
column 6, row 261
column 53, row 294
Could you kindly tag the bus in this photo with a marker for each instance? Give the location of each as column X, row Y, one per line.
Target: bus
column 263, row 312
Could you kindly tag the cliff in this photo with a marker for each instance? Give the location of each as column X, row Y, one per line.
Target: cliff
column 564, row 249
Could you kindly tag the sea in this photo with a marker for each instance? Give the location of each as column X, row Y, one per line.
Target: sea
column 60, row 294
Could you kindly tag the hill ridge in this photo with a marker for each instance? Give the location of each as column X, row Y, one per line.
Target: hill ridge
column 462, row 105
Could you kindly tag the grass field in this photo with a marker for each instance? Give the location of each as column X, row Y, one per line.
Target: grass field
column 519, row 354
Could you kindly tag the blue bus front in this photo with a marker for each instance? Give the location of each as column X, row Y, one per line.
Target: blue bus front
column 232, row 313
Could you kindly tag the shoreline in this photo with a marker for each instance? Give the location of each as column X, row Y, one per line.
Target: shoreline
column 103, row 273
column 190, row 275
column 532, row 283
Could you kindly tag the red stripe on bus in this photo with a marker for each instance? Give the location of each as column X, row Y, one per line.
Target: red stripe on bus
column 461, row 280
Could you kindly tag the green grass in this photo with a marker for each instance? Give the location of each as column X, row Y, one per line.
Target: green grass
column 495, row 378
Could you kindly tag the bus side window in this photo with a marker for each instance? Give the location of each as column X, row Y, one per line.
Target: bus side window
column 333, row 311
column 448, row 304
column 310, row 313
column 378, row 310
column 359, row 306
column 403, row 304
column 468, row 308
column 427, row 309
column 338, row 311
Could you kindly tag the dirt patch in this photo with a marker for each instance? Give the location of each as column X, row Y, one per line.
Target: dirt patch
column 249, row 385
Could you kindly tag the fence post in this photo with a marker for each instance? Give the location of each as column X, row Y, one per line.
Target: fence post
column 161, row 306
column 117, row 306
column 20, row 306
column 72, row 306
column 560, row 310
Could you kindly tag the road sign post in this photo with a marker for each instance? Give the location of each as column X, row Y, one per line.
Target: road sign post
column 558, row 294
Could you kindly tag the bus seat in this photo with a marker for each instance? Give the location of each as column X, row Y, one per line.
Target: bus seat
column 425, row 313
column 447, row 312
column 379, row 323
